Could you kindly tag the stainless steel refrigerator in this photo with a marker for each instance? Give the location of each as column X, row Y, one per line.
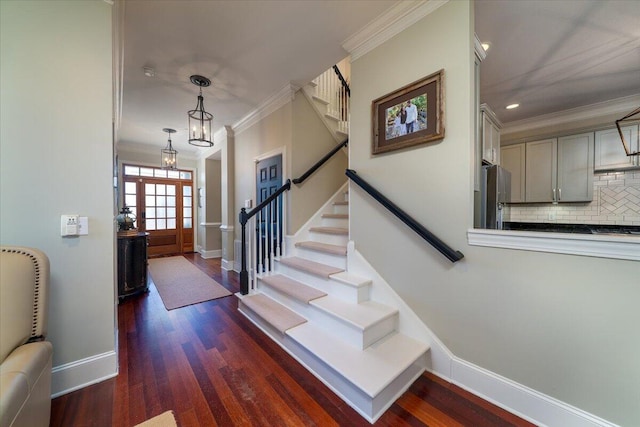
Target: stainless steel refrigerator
column 496, row 191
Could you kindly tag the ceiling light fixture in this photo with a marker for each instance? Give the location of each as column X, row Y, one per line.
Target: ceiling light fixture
column 149, row 72
column 627, row 144
column 199, row 120
column 168, row 154
column 512, row 106
column 486, row 46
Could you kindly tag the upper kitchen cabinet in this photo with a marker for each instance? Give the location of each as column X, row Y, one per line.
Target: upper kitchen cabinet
column 560, row 169
column 609, row 153
column 541, row 170
column 575, row 168
column 512, row 158
column 490, row 133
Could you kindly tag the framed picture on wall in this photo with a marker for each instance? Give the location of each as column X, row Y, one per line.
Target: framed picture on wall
column 409, row 116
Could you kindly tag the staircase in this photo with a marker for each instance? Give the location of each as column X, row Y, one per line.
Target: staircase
column 323, row 316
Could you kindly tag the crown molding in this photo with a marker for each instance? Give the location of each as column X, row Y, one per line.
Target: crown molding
column 480, row 52
column 274, row 102
column 593, row 111
column 395, row 20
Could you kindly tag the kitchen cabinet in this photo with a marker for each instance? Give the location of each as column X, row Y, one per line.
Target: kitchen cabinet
column 560, row 169
column 512, row 158
column 490, row 136
column 609, row 153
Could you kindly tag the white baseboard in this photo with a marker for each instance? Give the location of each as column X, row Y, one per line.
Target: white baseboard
column 82, row 373
column 518, row 399
column 227, row 264
column 217, row 253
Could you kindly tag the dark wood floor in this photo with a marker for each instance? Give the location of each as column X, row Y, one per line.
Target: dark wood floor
column 211, row 366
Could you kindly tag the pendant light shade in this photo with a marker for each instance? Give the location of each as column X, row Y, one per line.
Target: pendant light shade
column 168, row 154
column 199, row 119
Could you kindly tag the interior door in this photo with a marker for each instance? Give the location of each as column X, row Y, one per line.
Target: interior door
column 268, row 181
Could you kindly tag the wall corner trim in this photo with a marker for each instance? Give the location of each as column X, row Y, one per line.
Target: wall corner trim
column 395, row 20
column 82, row 373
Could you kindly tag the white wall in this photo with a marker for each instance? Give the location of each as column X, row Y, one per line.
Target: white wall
column 566, row 326
column 56, row 158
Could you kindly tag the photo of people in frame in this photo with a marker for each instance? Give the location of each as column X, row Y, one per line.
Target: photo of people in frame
column 406, row 117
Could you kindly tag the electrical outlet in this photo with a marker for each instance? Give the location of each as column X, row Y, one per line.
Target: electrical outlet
column 552, row 216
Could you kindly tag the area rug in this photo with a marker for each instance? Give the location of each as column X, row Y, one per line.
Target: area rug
column 165, row 419
column 180, row 283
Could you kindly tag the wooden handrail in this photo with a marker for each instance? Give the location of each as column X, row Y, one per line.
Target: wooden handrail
column 434, row 241
column 320, row 162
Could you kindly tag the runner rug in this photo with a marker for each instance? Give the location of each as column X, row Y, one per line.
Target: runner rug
column 180, row 283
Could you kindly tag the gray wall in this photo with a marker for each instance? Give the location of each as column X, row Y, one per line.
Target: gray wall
column 564, row 325
column 311, row 141
column 56, row 145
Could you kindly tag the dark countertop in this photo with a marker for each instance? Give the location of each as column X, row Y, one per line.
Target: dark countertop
column 573, row 228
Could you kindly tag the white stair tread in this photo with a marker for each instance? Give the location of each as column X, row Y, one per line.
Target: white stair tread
column 330, row 230
column 311, row 267
column 279, row 316
column 293, row 288
column 351, row 279
column 335, row 216
column 362, row 315
column 371, row 369
column 323, row 247
column 332, row 117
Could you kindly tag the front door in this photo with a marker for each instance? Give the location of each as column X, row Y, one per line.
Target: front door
column 163, row 206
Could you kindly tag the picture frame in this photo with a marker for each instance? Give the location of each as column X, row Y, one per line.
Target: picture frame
column 409, row 116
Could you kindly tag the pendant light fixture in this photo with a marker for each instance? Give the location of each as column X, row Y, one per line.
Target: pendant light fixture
column 168, row 154
column 633, row 118
column 199, row 119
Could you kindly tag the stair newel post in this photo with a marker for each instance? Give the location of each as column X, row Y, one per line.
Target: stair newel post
column 244, row 275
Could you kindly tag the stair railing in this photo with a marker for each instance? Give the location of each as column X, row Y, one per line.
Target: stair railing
column 268, row 223
column 332, row 87
column 434, row 241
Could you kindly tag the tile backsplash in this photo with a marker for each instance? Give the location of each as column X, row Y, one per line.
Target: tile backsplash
column 616, row 200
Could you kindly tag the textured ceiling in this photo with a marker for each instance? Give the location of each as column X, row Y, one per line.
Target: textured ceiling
column 546, row 55
column 551, row 56
column 249, row 49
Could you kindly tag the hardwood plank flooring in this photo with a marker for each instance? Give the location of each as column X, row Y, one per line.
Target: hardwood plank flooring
column 211, row 366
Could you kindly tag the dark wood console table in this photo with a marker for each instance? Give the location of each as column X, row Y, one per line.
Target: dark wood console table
column 132, row 264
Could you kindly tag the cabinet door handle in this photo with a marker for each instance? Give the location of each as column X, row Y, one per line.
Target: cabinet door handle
column 559, row 194
column 554, row 195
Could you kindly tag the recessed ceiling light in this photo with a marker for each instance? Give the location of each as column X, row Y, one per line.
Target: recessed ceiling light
column 149, row 72
column 512, row 106
column 485, row 46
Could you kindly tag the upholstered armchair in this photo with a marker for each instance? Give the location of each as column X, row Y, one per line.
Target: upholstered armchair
column 25, row 356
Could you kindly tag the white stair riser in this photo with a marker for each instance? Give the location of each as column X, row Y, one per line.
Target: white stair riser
column 350, row 333
column 335, row 222
column 332, row 239
column 341, row 209
column 334, row 288
column 370, row 408
column 339, row 261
